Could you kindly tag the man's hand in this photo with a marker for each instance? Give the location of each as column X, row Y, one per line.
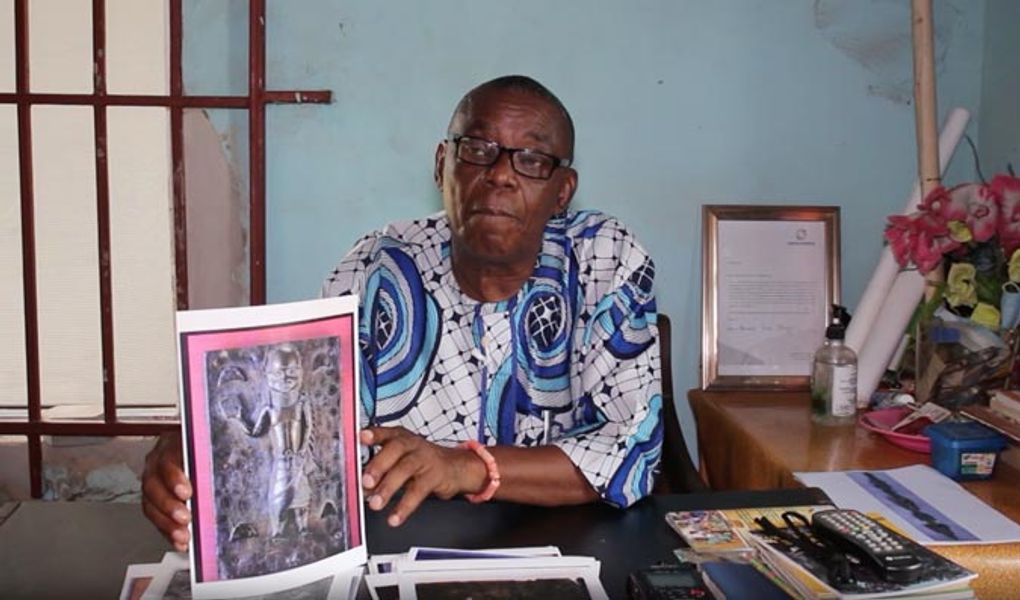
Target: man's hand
column 419, row 467
column 165, row 489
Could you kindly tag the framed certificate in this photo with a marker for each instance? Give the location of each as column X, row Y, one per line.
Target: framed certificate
column 769, row 277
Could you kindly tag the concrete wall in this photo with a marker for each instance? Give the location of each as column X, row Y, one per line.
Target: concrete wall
column 1000, row 88
column 677, row 104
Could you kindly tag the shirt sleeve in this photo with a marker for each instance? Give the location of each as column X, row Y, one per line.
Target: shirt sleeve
column 347, row 278
column 619, row 379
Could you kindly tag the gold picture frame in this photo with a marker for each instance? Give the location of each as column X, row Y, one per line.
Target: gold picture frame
column 769, row 277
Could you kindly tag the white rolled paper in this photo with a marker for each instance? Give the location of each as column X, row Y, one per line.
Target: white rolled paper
column 882, row 279
column 907, row 290
column 891, row 295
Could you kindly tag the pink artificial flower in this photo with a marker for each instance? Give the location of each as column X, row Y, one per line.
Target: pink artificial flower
column 901, row 235
column 920, row 238
column 982, row 208
column 1007, row 190
column 928, row 251
column 942, row 207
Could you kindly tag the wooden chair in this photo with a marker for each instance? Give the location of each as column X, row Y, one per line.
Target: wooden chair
column 676, row 471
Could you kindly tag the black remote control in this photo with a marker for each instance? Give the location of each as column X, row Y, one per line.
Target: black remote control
column 894, row 555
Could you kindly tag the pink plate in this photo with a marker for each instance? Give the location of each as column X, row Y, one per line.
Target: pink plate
column 880, row 421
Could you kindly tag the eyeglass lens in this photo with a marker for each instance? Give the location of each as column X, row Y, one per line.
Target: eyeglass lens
column 529, row 163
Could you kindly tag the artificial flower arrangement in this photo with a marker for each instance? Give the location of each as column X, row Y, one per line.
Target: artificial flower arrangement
column 973, row 230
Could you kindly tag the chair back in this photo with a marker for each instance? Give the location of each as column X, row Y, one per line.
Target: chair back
column 676, row 470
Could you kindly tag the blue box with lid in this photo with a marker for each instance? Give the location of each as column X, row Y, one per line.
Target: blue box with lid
column 964, row 450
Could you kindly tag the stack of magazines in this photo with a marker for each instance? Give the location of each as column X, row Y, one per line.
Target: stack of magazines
column 786, row 560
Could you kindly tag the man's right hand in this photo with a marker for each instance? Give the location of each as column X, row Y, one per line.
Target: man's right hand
column 165, row 489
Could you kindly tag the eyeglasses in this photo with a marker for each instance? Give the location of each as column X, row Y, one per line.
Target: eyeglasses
column 527, row 162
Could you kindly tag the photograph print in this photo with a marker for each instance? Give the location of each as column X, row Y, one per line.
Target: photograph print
column 270, row 424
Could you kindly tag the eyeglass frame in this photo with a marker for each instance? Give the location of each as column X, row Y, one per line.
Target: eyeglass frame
column 557, row 161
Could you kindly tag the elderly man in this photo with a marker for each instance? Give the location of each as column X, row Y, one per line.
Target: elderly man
column 508, row 346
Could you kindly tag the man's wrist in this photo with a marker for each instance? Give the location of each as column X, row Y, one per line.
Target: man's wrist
column 492, row 476
column 474, row 475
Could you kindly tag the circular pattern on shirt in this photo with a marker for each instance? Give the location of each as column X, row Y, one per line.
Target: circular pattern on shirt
column 542, row 340
column 404, row 321
column 545, row 320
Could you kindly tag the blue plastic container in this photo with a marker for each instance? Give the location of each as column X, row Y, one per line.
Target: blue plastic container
column 964, row 450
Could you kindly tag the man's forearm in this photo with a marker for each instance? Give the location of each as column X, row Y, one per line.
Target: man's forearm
column 542, row 475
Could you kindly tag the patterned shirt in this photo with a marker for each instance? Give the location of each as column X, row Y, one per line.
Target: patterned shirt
column 573, row 356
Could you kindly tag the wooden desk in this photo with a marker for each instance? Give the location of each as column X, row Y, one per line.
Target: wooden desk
column 757, row 440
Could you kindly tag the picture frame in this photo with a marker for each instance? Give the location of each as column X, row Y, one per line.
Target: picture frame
column 269, row 419
column 770, row 274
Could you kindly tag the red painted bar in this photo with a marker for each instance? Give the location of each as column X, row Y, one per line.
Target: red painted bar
column 78, row 428
column 103, row 212
column 239, row 102
column 28, row 246
column 127, row 100
column 257, row 145
column 177, row 156
column 313, row 97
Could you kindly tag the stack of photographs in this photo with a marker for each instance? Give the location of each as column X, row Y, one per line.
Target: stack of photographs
column 170, row 579
column 447, row 573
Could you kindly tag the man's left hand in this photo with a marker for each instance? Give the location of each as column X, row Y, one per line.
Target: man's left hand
column 419, row 467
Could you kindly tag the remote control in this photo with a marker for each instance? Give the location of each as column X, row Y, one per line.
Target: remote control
column 894, row 555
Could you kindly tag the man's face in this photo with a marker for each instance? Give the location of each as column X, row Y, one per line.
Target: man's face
column 497, row 215
column 283, row 372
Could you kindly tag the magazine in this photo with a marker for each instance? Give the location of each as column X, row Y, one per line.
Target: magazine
column 718, row 531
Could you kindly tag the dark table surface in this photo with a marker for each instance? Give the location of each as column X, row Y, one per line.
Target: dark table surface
column 82, row 549
column 623, row 540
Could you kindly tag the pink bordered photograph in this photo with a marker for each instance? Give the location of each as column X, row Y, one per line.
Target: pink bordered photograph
column 269, row 420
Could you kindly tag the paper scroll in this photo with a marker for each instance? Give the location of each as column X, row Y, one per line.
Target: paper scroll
column 882, row 316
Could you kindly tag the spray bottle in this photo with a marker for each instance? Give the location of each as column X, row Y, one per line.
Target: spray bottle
column 834, row 375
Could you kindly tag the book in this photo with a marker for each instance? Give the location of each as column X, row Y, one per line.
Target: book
column 1006, row 402
column 729, row 580
column 814, row 578
column 995, row 419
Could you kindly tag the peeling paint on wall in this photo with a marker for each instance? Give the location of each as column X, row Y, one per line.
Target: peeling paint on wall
column 876, row 34
column 217, row 215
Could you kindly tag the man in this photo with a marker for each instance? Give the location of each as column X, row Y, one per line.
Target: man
column 506, row 323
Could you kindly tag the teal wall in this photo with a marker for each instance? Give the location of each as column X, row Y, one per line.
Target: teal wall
column 1000, row 88
column 678, row 103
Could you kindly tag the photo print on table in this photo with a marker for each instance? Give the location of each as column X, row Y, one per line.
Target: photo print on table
column 270, row 421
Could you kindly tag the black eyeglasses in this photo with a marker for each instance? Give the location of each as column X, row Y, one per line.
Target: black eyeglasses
column 527, row 162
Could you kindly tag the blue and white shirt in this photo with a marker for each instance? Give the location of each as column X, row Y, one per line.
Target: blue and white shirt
column 577, row 345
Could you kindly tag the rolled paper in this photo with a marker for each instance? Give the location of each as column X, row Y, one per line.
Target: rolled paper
column 907, row 290
column 897, row 357
column 881, row 281
column 875, row 317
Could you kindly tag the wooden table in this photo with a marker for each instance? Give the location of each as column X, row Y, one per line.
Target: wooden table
column 757, row 440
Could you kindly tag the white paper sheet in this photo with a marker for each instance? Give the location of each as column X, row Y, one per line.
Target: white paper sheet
column 771, row 318
column 927, row 506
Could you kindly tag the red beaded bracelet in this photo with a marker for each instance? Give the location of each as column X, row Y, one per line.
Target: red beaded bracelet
column 490, row 465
